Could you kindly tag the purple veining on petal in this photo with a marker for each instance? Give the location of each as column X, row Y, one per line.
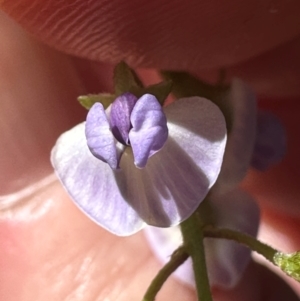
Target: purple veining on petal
column 149, row 129
column 226, row 260
column 270, row 141
column 91, row 184
column 100, row 139
column 120, row 113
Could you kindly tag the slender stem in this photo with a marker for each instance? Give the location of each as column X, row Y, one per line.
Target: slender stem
column 251, row 242
column 177, row 259
column 192, row 232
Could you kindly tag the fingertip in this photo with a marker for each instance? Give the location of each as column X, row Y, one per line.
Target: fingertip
column 39, row 87
column 178, row 34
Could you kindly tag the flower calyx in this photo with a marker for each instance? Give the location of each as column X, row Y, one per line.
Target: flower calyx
column 126, row 80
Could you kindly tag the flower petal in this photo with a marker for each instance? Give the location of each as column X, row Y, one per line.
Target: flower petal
column 226, row 260
column 241, row 138
column 120, row 113
column 270, row 141
column 149, row 132
column 178, row 177
column 91, row 184
column 99, row 137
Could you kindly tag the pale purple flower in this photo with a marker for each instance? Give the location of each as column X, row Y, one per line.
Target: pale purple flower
column 139, row 123
column 233, row 208
column 137, row 164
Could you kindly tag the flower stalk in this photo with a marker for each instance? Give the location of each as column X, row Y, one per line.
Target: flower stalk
column 193, row 235
column 251, row 242
column 288, row 263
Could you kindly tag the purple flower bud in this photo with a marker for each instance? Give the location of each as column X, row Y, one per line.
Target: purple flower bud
column 270, row 141
column 149, row 129
column 120, row 113
column 100, row 139
column 139, row 123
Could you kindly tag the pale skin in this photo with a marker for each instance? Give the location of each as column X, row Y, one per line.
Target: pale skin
column 49, row 249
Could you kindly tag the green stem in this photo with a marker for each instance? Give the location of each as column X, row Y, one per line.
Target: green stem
column 251, row 242
column 177, row 259
column 288, row 263
column 192, row 232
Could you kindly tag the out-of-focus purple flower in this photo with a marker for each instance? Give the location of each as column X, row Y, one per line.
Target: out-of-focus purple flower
column 257, row 138
column 226, row 260
column 270, row 141
column 241, row 104
column 178, row 161
column 233, row 208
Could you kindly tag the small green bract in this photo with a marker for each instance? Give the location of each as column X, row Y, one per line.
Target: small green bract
column 289, row 263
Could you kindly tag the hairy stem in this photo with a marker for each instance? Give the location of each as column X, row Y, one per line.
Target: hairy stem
column 251, row 242
column 192, row 232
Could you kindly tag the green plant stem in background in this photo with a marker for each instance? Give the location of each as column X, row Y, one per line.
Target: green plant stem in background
column 251, row 242
column 177, row 259
column 192, row 232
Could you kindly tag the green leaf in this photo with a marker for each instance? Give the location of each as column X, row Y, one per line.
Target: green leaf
column 160, row 90
column 125, row 79
column 105, row 99
column 289, row 263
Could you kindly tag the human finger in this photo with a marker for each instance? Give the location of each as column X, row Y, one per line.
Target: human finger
column 178, row 34
column 76, row 259
column 38, row 88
